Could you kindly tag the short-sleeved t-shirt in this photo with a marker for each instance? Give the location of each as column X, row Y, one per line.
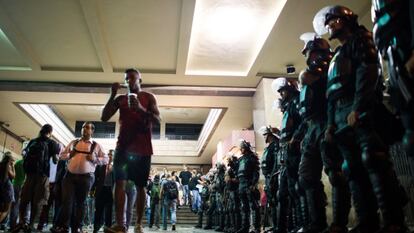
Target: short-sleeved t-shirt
column 185, row 177
column 135, row 130
column 20, row 175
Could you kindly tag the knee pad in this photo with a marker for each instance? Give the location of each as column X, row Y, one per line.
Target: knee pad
column 336, row 178
column 374, row 159
column 282, row 194
column 299, row 189
column 305, row 183
column 346, row 169
column 408, row 142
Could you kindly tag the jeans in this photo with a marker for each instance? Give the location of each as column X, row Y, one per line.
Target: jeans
column 103, row 208
column 155, row 215
column 14, row 210
column 170, row 205
column 131, row 194
column 44, row 214
column 186, row 193
column 196, row 200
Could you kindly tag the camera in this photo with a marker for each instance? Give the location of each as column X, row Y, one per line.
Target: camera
column 290, row 69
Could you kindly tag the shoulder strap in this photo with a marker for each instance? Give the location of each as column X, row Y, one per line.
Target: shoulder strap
column 93, row 147
column 75, row 143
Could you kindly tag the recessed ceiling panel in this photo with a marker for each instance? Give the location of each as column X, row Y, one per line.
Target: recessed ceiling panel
column 56, row 31
column 284, row 46
column 142, row 34
column 9, row 56
column 227, row 35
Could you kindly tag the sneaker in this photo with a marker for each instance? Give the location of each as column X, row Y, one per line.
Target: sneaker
column 138, row 228
column 173, row 227
column 115, row 229
column 58, row 230
column 17, row 228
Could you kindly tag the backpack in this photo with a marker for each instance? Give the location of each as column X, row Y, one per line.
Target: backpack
column 36, row 157
column 171, row 190
column 155, row 192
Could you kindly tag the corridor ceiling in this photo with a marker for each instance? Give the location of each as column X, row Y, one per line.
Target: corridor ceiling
column 68, row 52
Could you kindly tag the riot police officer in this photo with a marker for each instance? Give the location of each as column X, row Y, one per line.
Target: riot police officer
column 316, row 151
column 212, row 208
column 394, row 37
column 354, row 93
column 233, row 203
column 267, row 163
column 248, row 176
column 205, row 194
column 289, row 156
column 219, row 187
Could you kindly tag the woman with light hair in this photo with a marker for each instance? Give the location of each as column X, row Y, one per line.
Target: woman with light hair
column 6, row 188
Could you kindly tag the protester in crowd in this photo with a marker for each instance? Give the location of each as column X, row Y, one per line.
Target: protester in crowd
column 169, row 196
column 138, row 111
column 103, row 187
column 83, row 155
column 7, row 173
column 185, row 177
column 17, row 187
column 155, row 202
column 35, row 190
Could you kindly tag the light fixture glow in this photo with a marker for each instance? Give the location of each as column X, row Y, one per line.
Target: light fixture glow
column 208, row 127
column 227, row 35
column 44, row 115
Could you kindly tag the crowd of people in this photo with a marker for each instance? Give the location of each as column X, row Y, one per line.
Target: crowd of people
column 335, row 122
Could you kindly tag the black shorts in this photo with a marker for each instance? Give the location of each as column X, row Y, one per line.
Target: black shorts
column 131, row 166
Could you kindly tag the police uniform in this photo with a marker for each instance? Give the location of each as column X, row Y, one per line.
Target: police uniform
column 248, row 175
column 289, row 156
column 267, row 165
column 394, row 37
column 354, row 86
column 315, row 150
column 233, row 203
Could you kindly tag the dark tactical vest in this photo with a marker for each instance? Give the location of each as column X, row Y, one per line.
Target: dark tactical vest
column 248, row 168
column 291, row 119
column 219, row 181
column 312, row 100
column 268, row 159
column 341, row 77
column 205, row 193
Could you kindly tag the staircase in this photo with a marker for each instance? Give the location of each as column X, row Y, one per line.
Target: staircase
column 185, row 217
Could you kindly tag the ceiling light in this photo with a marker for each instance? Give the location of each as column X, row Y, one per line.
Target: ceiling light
column 227, row 35
column 42, row 114
column 208, row 127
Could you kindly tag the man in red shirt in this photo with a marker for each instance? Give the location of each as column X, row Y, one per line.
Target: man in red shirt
column 138, row 110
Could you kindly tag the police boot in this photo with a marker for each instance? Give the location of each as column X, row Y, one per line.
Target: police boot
column 226, row 222
column 237, row 220
column 304, row 211
column 209, row 222
column 282, row 213
column 274, row 218
column 316, row 203
column 394, row 229
column 341, row 204
column 200, row 220
column 220, row 222
column 293, row 225
column 245, row 225
column 364, row 203
column 256, row 219
column 387, row 190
